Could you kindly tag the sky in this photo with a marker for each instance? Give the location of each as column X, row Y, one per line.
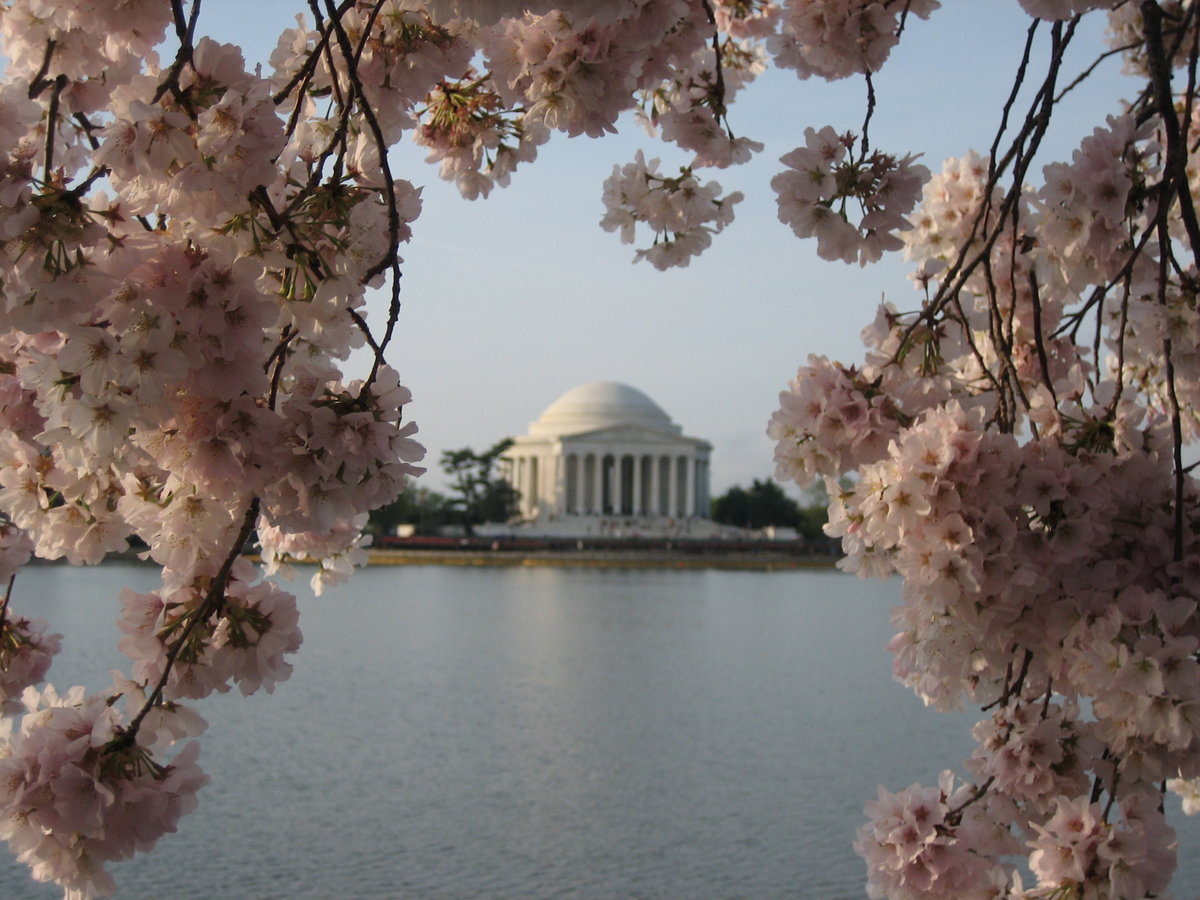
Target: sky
column 510, row 301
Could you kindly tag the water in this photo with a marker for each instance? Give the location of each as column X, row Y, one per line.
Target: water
column 540, row 733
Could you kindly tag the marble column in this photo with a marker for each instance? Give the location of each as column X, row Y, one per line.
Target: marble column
column 516, row 483
column 615, row 484
column 673, row 486
column 597, row 484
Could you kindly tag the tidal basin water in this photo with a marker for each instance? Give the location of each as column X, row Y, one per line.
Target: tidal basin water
column 541, row 733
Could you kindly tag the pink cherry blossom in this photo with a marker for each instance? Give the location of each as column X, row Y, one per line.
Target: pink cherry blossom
column 79, row 790
column 682, row 213
column 242, row 638
column 188, row 246
column 826, row 175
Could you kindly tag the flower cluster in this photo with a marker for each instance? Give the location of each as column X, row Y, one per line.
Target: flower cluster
column 918, row 844
column 577, row 74
column 26, row 652
column 689, row 111
column 186, row 254
column 207, row 636
column 1033, row 573
column 478, row 142
column 830, row 421
column 1033, row 755
column 746, row 18
column 1077, row 847
column 1063, row 9
column 79, row 790
column 837, row 38
column 953, row 202
column 825, row 176
column 682, row 213
column 335, row 552
column 1084, row 204
column 349, row 453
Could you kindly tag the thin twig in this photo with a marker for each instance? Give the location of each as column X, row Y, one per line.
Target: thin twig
column 185, row 32
column 390, row 259
column 4, row 606
column 1038, row 339
column 39, row 81
column 865, row 145
column 213, row 600
column 1018, row 82
column 60, row 84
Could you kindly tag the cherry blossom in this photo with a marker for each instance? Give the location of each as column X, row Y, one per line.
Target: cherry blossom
column 188, row 243
column 826, row 175
column 201, row 646
column 838, row 38
column 26, row 651
column 919, row 845
column 682, row 213
column 1063, row 9
column 1028, row 486
column 82, row 791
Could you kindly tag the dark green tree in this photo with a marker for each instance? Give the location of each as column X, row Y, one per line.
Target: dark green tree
column 420, row 507
column 765, row 504
column 769, row 505
column 812, row 522
column 478, row 494
column 732, row 507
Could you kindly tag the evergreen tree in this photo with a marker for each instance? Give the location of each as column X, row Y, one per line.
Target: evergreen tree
column 479, row 495
column 420, row 507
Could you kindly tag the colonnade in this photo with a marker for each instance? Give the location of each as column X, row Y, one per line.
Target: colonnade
column 632, row 483
column 525, row 475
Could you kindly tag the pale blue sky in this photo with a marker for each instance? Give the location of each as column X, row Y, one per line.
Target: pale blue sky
column 513, row 300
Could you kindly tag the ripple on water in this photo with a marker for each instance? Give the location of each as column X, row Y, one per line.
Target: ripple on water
column 521, row 734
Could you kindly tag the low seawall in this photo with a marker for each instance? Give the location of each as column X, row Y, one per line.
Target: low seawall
column 765, row 560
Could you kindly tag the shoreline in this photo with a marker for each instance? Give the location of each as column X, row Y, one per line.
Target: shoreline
column 551, row 558
column 613, row 559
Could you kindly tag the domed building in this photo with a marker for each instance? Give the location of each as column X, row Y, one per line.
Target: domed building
column 605, row 449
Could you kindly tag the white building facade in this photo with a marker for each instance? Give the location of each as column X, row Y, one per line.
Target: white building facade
column 605, row 449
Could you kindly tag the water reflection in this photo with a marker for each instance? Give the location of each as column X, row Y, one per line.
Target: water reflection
column 541, row 733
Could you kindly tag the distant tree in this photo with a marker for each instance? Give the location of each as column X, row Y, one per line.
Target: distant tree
column 763, row 504
column 732, row 507
column 479, row 495
column 420, row 507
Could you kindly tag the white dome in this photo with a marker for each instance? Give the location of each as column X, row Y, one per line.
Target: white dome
column 601, row 404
